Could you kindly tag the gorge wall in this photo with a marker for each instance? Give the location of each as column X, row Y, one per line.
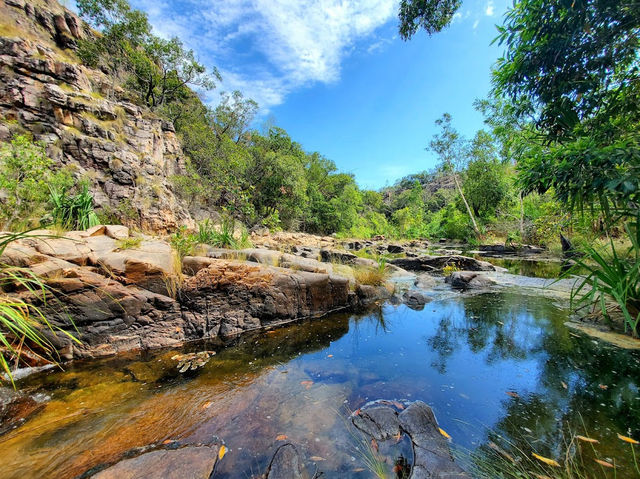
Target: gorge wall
column 87, row 122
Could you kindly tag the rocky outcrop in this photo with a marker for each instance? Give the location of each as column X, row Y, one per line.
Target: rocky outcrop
column 86, row 123
column 386, row 420
column 129, row 293
column 438, row 263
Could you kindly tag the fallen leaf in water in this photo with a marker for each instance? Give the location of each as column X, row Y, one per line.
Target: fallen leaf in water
column 374, row 445
column 513, row 394
column 564, row 385
column 587, row 439
column 356, row 412
column 222, row 451
column 398, row 405
column 359, row 469
column 444, row 433
column 398, row 437
column 271, row 331
column 501, row 451
column 306, row 384
column 603, row 386
column 546, row 460
column 604, row 463
column 330, row 356
column 167, row 441
column 628, row 439
column 207, row 405
column 281, row 437
column 317, row 458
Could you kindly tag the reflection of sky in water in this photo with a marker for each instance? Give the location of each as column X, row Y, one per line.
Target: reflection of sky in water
column 461, row 356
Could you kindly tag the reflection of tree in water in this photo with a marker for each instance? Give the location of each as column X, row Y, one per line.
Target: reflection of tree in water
column 502, row 325
column 583, row 387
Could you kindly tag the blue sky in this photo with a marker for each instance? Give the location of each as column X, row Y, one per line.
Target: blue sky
column 335, row 75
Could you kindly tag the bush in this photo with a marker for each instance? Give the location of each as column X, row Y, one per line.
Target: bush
column 74, row 212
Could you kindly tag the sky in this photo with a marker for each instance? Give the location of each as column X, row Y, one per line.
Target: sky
column 336, row 75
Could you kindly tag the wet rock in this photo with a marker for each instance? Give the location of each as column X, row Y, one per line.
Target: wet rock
column 438, row 263
column 17, row 407
column 395, row 248
column 415, row 299
column 192, row 462
column 193, row 360
column 432, row 455
column 286, row 464
column 469, row 279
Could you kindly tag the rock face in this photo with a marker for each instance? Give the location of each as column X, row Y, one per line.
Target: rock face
column 382, row 421
column 86, row 123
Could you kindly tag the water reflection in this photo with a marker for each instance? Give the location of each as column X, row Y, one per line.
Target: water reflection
column 496, row 365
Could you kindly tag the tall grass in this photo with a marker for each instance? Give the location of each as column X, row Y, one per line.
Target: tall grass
column 224, row 238
column 21, row 322
column 612, row 276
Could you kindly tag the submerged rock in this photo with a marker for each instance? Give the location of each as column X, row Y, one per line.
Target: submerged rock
column 285, row 464
column 189, row 462
column 383, row 420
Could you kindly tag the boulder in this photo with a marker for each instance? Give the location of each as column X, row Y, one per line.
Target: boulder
column 384, row 420
column 117, row 231
column 395, row 248
column 469, row 279
column 68, row 249
column 333, row 255
column 415, row 299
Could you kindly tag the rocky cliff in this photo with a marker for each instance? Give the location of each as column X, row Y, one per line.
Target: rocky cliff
column 128, row 154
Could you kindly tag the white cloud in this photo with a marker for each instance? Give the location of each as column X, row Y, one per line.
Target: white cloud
column 490, row 10
column 475, row 24
column 268, row 48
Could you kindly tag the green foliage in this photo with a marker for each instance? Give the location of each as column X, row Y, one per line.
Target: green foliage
column 129, row 243
column 182, row 242
column 159, row 71
column 612, row 276
column 426, row 14
column 21, row 322
column 73, row 211
column 26, row 173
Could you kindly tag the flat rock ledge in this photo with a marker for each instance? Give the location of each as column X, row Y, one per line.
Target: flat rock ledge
column 432, row 459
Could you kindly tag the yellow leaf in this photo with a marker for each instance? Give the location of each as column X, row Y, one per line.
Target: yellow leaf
column 207, row 405
column 317, row 458
column 587, row 439
column 222, row 451
column 564, row 385
column 444, row 433
column 330, row 356
column 282, row 437
column 546, row 460
column 627, row 439
column 604, row 463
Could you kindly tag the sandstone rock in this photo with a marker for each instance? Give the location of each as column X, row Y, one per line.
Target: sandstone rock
column 331, row 255
column 437, row 263
column 191, row 462
column 68, row 249
column 469, row 279
column 285, row 464
column 432, row 456
column 117, row 231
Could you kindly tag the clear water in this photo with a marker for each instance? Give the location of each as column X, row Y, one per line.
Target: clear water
column 462, row 356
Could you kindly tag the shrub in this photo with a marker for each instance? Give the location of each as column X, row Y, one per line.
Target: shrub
column 182, row 242
column 75, row 212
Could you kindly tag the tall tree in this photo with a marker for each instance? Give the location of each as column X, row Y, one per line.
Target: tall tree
column 450, row 148
column 430, row 15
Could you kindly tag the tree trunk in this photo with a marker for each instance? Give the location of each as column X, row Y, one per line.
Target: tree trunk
column 469, row 212
column 521, row 217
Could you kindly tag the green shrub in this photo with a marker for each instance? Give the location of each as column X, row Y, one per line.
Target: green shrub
column 182, row 242
column 74, row 212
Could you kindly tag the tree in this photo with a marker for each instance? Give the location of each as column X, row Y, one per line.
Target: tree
column 449, row 146
column 573, row 67
column 485, row 180
column 430, row 15
column 233, row 115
